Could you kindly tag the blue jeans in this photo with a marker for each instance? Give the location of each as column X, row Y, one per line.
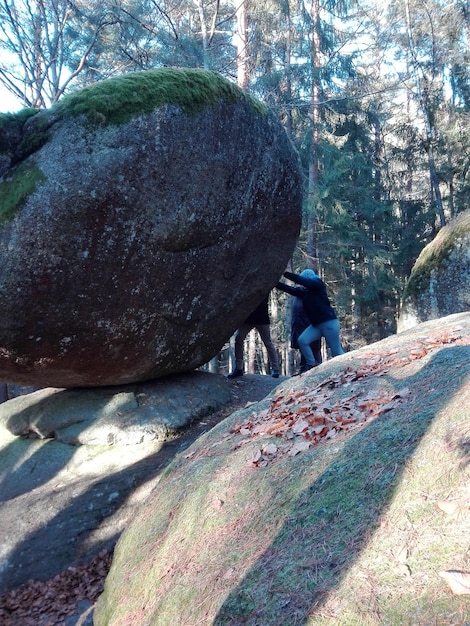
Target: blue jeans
column 329, row 330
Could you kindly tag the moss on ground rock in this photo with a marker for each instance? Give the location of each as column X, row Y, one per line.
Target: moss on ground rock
column 346, row 532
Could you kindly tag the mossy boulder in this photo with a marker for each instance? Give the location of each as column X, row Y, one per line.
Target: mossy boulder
column 141, row 220
column 439, row 284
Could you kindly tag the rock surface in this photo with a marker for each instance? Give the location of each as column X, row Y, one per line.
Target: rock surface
column 75, row 463
column 141, row 220
column 285, row 512
column 439, row 283
column 220, row 479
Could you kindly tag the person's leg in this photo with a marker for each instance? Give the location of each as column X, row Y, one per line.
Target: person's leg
column 240, row 337
column 316, row 349
column 3, row 392
column 310, row 334
column 265, row 334
column 331, row 331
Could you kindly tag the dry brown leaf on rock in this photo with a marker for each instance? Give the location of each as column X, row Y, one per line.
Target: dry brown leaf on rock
column 400, row 553
column 271, row 449
column 453, row 508
column 459, row 582
column 299, row 446
column 306, row 416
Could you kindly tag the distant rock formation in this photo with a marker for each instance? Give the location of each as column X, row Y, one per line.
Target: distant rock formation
column 141, row 220
column 439, row 283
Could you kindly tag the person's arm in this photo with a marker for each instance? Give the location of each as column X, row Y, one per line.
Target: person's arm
column 309, row 283
column 293, row 291
column 291, row 276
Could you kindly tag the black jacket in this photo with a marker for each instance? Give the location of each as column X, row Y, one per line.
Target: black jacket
column 260, row 316
column 314, row 297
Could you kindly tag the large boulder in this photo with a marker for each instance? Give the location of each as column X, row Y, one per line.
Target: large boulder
column 141, row 220
column 439, row 284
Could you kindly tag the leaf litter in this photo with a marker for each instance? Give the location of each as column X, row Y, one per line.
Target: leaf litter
column 305, row 417
column 49, row 603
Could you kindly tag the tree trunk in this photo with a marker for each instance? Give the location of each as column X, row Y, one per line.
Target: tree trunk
column 425, row 109
column 205, row 39
column 251, row 339
column 313, row 172
column 241, row 43
column 289, row 124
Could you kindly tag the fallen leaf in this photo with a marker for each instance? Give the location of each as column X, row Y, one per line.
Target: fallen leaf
column 299, row 446
column 389, row 406
column 402, row 393
column 316, row 420
column 401, row 554
column 271, row 449
column 299, row 426
column 459, row 582
column 260, row 429
column 447, row 506
column 276, row 427
column 217, row 503
column 452, row 508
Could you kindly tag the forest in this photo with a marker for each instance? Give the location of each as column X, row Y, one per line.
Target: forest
column 374, row 95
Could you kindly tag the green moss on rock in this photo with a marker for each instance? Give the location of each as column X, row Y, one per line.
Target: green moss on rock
column 14, row 118
column 113, row 101
column 117, row 100
column 35, row 135
column 22, row 133
column 436, row 253
column 15, row 190
column 11, row 127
